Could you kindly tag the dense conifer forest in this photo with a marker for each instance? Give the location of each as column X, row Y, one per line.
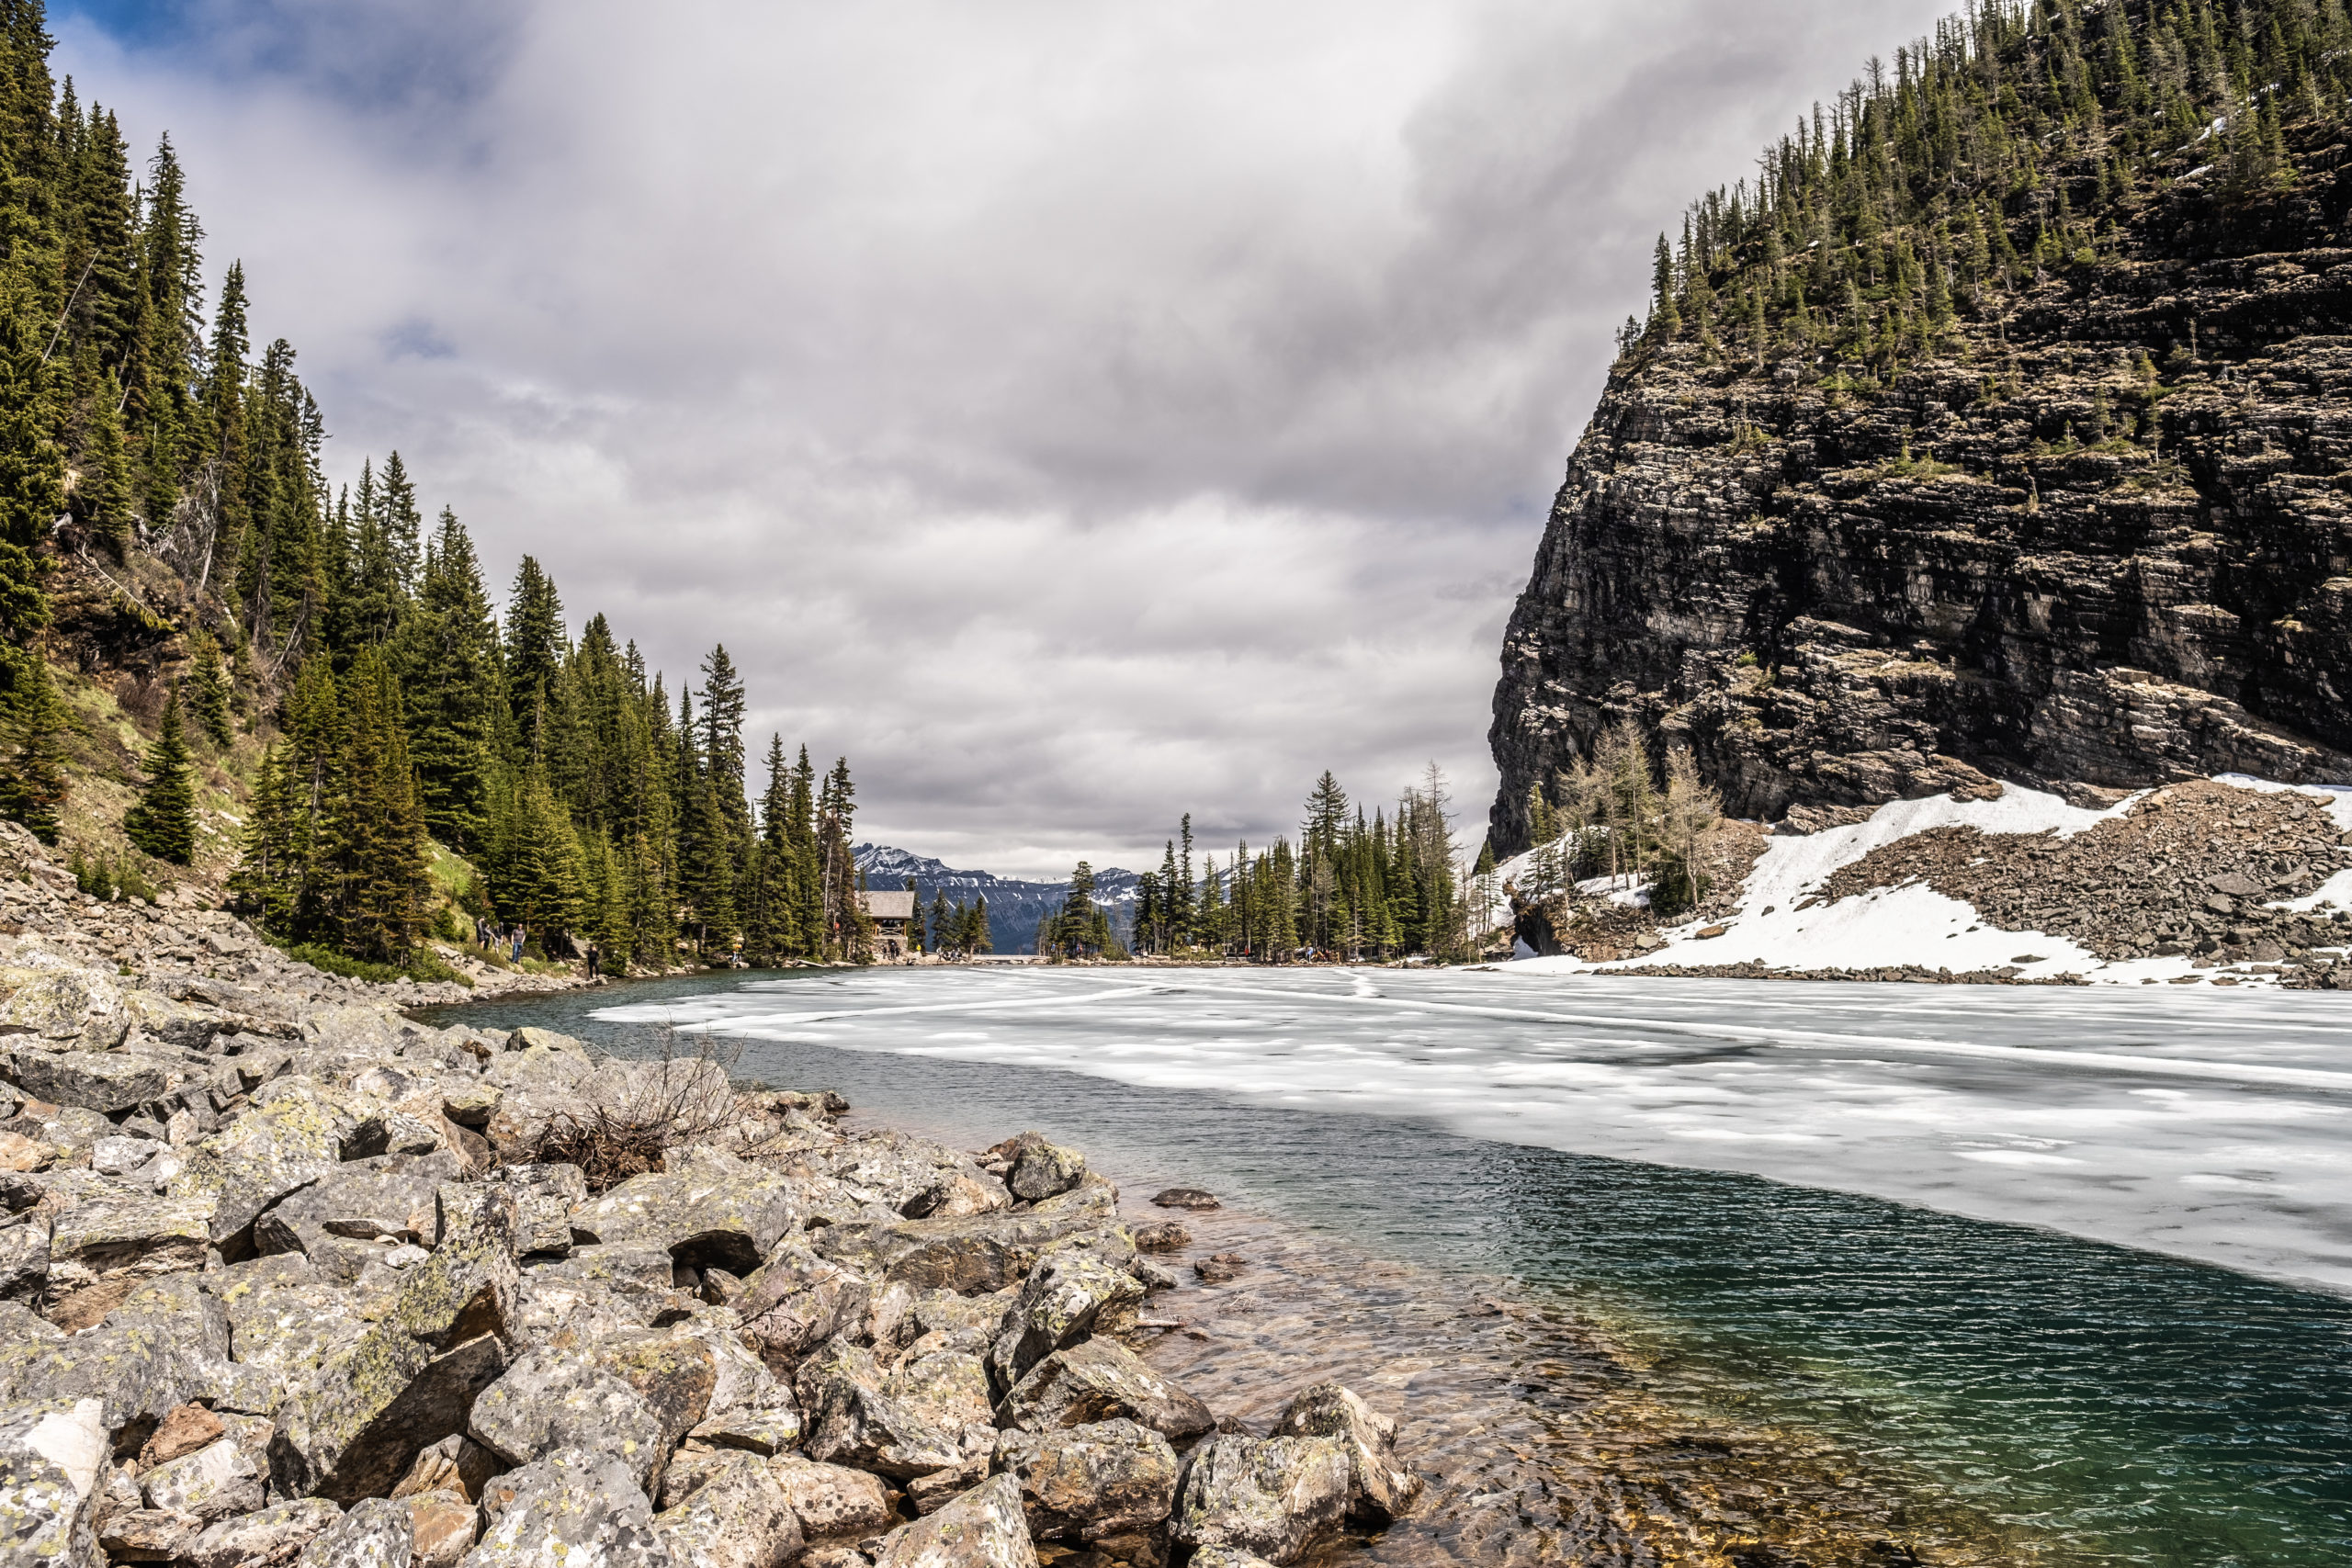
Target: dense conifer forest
column 145, row 447
column 1990, row 155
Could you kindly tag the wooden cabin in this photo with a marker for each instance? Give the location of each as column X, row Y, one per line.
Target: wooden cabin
column 892, row 914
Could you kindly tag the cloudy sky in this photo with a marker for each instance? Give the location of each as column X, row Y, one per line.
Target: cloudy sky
column 1077, row 415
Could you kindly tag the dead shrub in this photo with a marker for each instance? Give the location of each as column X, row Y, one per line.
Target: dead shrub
column 633, row 1117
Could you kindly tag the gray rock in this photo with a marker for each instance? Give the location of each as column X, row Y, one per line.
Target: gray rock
column 137, row 1374
column 388, row 1198
column 1273, row 1496
column 273, row 1538
column 738, row 1517
column 1185, row 1198
column 103, row 1082
column 292, row 1136
column 23, row 1259
column 1382, row 1487
column 770, row 1427
column 53, row 1453
column 115, row 1231
column 570, row 1510
column 441, row 1527
column 548, row 1401
column 354, row 1426
column 147, row 1535
column 983, row 1253
column 719, row 1212
column 1058, row 1306
column 1086, row 1483
column 853, row 1419
column 832, row 1499
column 982, row 1529
column 375, row 1533
column 598, row 1288
column 1226, row 1557
column 83, row 1007
column 1040, row 1169
column 221, row 1478
column 911, row 1176
column 544, row 1196
column 1100, row 1381
column 798, row 1300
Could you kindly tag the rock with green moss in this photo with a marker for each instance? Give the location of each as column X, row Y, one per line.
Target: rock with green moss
column 1271, row 1496
column 355, row 1423
column 1099, row 1380
column 1088, row 1483
column 293, row 1133
column 573, row 1507
column 740, row 1516
column 52, row 1454
column 1058, row 1306
column 982, row 1529
column 714, row 1212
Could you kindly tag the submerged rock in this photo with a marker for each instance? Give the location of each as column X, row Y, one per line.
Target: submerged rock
column 1382, row 1486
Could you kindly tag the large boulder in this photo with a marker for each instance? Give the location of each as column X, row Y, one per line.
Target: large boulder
column 53, row 1453
column 1058, row 1306
column 1271, row 1496
column 138, row 1373
column 23, row 1258
column 854, row 1419
column 1382, row 1486
column 982, row 1529
column 832, row 1499
column 798, row 1300
column 554, row 1402
column 982, row 1253
column 345, row 1220
column 375, row 1533
column 73, row 1009
column 1039, row 1169
column 571, row 1509
column 545, row 1197
column 111, row 1234
column 738, row 1517
column 717, row 1211
column 598, row 1288
column 911, row 1176
column 292, row 1136
column 356, row 1424
column 103, row 1082
column 1099, row 1380
column 273, row 1538
column 1087, row 1482
column 228, row 1475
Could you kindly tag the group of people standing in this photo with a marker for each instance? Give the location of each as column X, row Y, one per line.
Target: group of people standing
column 494, row 938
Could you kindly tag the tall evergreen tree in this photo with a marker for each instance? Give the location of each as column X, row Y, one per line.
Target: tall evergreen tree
column 163, row 823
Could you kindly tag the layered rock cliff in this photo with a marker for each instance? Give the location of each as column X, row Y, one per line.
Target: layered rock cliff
column 2099, row 535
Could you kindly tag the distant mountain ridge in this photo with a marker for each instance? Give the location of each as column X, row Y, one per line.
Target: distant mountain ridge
column 1015, row 905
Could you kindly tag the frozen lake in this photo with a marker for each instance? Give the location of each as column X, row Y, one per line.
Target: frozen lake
column 1967, row 1236
column 2216, row 1126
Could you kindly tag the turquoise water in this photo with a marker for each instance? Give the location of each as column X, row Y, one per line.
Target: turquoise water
column 2137, row 1408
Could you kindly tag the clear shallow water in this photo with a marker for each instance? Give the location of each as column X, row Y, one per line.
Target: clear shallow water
column 2113, row 1406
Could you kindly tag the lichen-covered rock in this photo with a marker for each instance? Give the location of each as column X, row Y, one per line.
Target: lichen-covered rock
column 51, row 1456
column 598, row 1288
column 343, row 1221
column 832, row 1499
column 719, row 1211
column 1086, row 1483
column 272, row 1538
column 1273, row 1496
column 442, row 1526
column 554, row 1402
column 82, row 1008
column 1382, row 1487
column 137, row 1372
column 351, row 1427
column 147, row 1535
column 375, row 1533
column 770, row 1427
column 545, row 1197
column 1040, row 1169
column 982, row 1529
column 222, row 1477
column 738, row 1517
column 1057, row 1304
column 109, row 1230
column 1100, row 1380
column 571, row 1509
column 23, row 1258
column 799, row 1299
column 292, row 1134
column 853, row 1419
column 982, row 1253
column 103, row 1082
column 911, row 1176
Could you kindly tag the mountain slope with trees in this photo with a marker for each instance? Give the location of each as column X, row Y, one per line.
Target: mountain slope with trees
column 1993, row 430
column 314, row 664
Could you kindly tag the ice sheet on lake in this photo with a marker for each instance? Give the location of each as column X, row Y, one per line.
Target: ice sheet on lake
column 2214, row 1125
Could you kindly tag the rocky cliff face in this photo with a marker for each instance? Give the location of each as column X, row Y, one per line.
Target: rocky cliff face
column 2103, row 539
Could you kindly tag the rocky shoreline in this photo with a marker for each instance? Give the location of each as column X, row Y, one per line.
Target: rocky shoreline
column 289, row 1278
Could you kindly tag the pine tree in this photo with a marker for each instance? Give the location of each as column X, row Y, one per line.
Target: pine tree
column 449, row 657
column 533, row 648
column 373, row 849
column 162, row 823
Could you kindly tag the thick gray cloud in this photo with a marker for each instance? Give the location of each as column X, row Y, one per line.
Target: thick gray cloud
column 1076, row 415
